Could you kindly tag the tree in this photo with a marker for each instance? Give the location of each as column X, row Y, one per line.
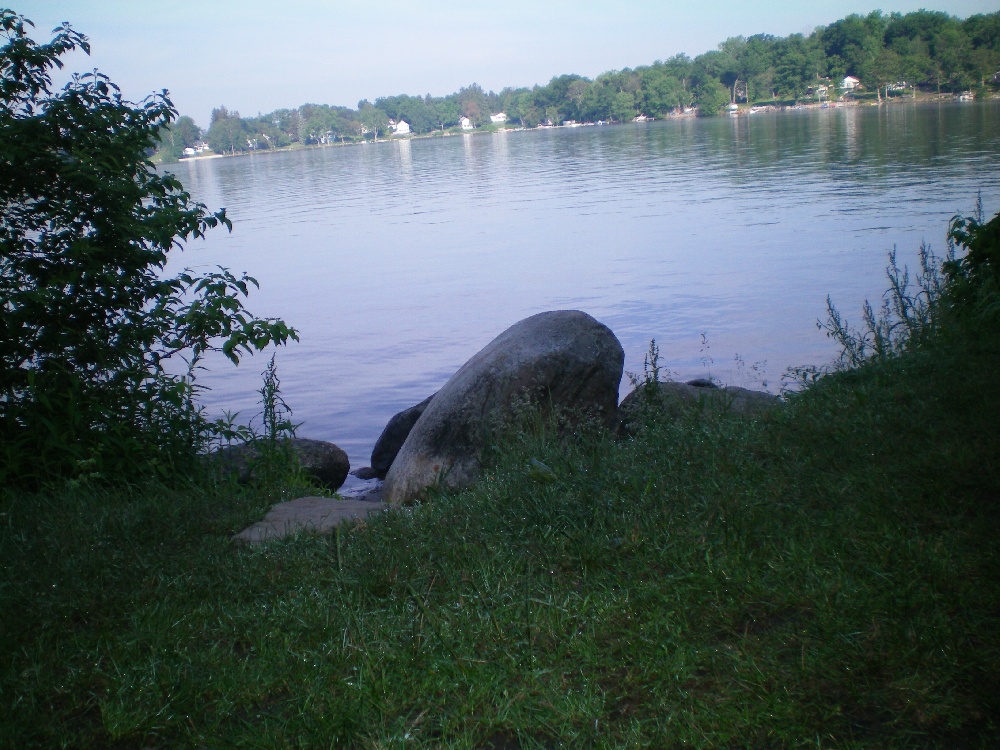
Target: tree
column 373, row 118
column 854, row 41
column 176, row 137
column 575, row 93
column 474, row 104
column 227, row 132
column 789, row 67
column 413, row 109
column 731, row 51
column 661, row 91
column 562, row 96
column 754, row 61
column 712, row 97
column 885, row 69
column 983, row 32
column 288, row 122
column 952, row 52
column 623, row 106
column 472, row 110
column 88, row 317
column 447, row 112
column 707, row 74
column 525, row 109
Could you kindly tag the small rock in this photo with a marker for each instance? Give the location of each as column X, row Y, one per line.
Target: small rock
column 323, row 461
column 394, row 435
column 702, row 383
column 318, row 514
column 667, row 399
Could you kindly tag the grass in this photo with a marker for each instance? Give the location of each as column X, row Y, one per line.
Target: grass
column 822, row 576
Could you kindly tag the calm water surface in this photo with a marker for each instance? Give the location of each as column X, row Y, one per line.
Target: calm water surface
column 719, row 238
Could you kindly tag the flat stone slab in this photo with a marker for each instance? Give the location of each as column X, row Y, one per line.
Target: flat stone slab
column 317, row 514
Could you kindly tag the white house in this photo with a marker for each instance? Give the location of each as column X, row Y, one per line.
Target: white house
column 466, row 123
column 850, row 83
column 498, row 118
column 402, row 128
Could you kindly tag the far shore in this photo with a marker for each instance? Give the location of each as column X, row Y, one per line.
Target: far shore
column 744, row 109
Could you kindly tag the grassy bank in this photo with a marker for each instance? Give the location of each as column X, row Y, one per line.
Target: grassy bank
column 821, row 576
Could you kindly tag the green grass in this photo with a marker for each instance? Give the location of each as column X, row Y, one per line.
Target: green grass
column 824, row 576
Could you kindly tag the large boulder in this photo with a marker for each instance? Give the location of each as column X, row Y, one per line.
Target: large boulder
column 393, row 436
column 668, row 399
column 325, row 462
column 562, row 360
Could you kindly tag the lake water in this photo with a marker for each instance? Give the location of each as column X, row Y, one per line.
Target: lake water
column 720, row 238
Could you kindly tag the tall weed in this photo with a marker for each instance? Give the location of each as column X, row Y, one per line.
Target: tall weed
column 904, row 318
column 262, row 449
column 276, row 460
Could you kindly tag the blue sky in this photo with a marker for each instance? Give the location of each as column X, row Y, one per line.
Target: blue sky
column 258, row 57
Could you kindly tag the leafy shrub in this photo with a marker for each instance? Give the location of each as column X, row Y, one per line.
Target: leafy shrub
column 88, row 318
column 974, row 276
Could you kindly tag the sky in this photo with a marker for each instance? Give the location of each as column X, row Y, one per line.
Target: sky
column 258, row 57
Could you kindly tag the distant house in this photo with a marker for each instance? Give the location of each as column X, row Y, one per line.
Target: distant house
column 466, row 123
column 850, row 83
column 402, row 128
column 498, row 118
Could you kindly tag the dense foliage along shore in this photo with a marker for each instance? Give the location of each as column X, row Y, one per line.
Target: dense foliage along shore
column 874, row 57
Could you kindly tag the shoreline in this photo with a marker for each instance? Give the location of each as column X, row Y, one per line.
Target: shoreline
column 742, row 111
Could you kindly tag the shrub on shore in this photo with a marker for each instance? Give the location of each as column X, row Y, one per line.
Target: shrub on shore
column 89, row 320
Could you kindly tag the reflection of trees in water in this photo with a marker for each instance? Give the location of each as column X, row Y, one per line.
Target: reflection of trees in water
column 857, row 142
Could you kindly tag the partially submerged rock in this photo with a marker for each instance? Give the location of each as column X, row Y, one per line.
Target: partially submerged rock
column 394, row 435
column 562, row 360
column 323, row 461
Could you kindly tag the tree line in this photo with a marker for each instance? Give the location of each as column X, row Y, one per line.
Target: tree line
column 890, row 55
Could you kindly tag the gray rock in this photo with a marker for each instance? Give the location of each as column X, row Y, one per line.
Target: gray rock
column 702, row 383
column 746, row 401
column 323, row 461
column 365, row 472
column 668, row 399
column 315, row 514
column 561, row 360
column 394, row 435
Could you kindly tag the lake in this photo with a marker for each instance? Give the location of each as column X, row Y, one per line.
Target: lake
column 720, row 238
